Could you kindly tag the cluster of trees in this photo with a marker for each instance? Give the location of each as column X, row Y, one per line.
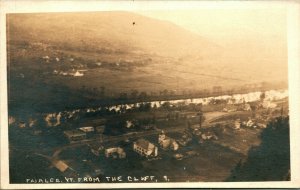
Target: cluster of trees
column 136, row 95
column 101, row 91
column 270, row 161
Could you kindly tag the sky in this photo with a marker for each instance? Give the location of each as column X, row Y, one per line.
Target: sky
column 226, row 25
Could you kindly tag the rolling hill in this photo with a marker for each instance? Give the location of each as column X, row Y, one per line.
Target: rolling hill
column 112, row 30
column 121, row 52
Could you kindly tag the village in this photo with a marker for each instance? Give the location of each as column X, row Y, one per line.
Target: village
column 135, row 96
column 172, row 134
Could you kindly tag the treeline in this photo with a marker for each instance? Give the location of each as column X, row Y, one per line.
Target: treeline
column 135, row 95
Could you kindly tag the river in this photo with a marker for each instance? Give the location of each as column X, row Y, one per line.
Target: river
column 54, row 119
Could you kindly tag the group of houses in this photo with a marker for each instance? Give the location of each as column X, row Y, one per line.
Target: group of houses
column 250, row 123
column 83, row 132
column 75, row 73
column 265, row 104
column 166, row 142
column 197, row 133
column 141, row 146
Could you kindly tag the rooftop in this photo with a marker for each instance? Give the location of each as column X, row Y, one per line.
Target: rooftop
column 60, row 165
column 144, row 144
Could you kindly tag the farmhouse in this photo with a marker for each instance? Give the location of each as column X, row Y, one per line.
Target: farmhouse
column 145, row 148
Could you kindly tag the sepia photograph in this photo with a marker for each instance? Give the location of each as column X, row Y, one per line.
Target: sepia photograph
column 153, row 93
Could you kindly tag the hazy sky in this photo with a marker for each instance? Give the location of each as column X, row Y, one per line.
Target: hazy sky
column 225, row 25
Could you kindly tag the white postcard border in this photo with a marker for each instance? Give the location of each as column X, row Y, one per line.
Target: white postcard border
column 293, row 28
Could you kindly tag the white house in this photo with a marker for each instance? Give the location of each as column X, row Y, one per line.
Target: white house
column 145, row 148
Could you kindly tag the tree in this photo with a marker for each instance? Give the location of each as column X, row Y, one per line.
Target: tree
column 83, row 88
column 253, row 109
column 271, row 160
column 165, row 92
column 262, row 96
column 145, row 106
column 123, row 96
column 166, row 106
column 102, row 90
column 134, row 94
column 143, row 95
column 201, row 116
column 95, row 90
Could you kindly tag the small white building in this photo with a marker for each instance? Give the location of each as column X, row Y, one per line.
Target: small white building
column 22, row 124
column 115, row 152
column 250, row 123
column 11, row 120
column 46, row 57
column 87, row 129
column 78, row 74
column 237, row 124
column 60, row 165
column 129, row 124
column 32, row 122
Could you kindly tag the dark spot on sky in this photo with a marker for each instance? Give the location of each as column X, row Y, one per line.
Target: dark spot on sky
column 133, row 23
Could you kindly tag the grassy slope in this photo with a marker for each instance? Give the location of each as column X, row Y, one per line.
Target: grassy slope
column 159, row 55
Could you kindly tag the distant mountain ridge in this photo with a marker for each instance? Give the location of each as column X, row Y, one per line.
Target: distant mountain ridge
column 123, row 52
column 117, row 30
column 138, row 52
